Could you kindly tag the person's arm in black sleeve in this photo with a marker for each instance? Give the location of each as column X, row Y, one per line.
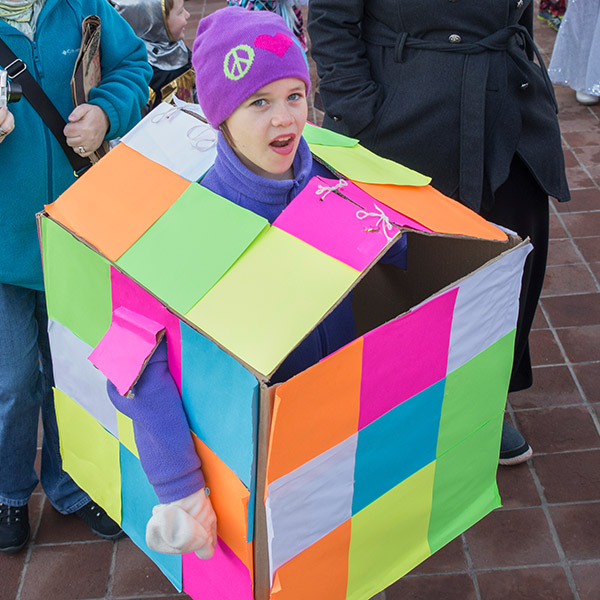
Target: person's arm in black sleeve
column 350, row 95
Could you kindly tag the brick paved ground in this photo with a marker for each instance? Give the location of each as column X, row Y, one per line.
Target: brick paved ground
column 544, row 542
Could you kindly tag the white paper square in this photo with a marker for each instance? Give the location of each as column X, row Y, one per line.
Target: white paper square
column 310, row 502
column 77, row 377
column 486, row 307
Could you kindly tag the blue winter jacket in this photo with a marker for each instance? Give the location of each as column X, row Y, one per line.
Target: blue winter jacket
column 33, row 167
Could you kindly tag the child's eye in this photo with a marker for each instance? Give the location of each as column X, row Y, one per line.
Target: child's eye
column 294, row 97
column 259, row 102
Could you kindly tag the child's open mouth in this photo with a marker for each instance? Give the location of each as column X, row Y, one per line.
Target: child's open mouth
column 283, row 144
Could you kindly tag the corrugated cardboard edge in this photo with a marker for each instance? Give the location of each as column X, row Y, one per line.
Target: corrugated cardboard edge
column 262, row 581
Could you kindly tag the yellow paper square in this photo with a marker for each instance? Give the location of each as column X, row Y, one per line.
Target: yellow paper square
column 389, row 536
column 90, row 454
column 126, row 435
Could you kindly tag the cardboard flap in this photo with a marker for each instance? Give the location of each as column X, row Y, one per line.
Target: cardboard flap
column 126, row 348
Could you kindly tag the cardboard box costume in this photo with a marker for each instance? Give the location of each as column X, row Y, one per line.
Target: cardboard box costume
column 339, row 481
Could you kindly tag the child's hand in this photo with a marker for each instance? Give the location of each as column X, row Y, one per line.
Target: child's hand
column 186, row 525
column 7, row 123
column 86, row 128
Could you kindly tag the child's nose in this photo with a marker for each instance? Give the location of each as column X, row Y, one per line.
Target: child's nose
column 283, row 116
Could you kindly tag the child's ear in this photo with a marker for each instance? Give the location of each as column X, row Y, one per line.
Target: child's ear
column 226, row 134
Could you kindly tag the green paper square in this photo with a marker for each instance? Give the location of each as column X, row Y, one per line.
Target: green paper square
column 325, row 137
column 465, row 488
column 90, row 454
column 359, row 164
column 389, row 536
column 191, row 247
column 77, row 281
column 475, row 393
column 274, row 295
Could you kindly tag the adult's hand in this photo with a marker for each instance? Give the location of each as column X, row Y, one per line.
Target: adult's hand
column 86, row 128
column 7, row 123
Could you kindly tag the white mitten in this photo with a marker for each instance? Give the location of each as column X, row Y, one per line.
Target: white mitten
column 186, row 525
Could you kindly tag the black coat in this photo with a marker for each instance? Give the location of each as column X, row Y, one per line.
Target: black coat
column 446, row 87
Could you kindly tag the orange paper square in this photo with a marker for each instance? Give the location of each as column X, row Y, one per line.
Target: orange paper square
column 318, row 573
column 433, row 210
column 117, row 200
column 299, row 435
column 229, row 497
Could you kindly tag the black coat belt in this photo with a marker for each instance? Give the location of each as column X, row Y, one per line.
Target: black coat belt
column 474, row 82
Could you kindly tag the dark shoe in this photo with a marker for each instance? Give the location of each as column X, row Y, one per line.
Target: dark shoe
column 99, row 522
column 14, row 527
column 514, row 450
column 550, row 19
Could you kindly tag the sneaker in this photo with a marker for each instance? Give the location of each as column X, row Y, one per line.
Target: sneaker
column 587, row 99
column 514, row 450
column 14, row 527
column 99, row 522
column 549, row 19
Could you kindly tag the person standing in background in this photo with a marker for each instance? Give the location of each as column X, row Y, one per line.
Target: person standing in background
column 46, row 36
column 552, row 12
column 576, row 55
column 452, row 91
column 161, row 24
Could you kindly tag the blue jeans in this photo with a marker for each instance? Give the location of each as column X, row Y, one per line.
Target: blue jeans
column 26, row 382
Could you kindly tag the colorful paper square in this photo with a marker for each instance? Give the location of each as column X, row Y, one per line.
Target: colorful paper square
column 318, row 573
column 465, row 489
column 223, row 577
column 307, row 504
column 76, row 377
column 397, row 445
column 389, row 537
column 300, row 432
column 126, row 433
column 127, row 293
column 433, row 210
column 220, row 399
column 405, row 356
column 475, row 393
column 117, row 201
column 191, row 246
column 229, row 498
column 138, row 500
column 335, row 225
column 325, row 137
column 90, row 454
column 360, row 164
column 487, row 307
column 126, row 347
column 260, row 310
column 77, row 283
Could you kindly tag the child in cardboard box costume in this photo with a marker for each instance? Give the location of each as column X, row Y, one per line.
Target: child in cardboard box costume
column 253, row 83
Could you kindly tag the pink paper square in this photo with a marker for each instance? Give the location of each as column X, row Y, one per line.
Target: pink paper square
column 418, row 343
column 223, row 577
column 126, row 292
column 126, row 346
column 351, row 233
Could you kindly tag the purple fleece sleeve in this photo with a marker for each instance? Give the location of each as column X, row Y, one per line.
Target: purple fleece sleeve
column 162, row 433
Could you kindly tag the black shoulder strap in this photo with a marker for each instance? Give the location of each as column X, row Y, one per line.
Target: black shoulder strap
column 17, row 71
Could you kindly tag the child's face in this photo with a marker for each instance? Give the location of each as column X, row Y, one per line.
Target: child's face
column 177, row 20
column 266, row 128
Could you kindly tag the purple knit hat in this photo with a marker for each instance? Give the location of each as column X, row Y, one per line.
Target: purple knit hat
column 237, row 52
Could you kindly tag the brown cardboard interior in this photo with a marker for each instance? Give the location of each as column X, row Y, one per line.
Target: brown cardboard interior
column 434, row 261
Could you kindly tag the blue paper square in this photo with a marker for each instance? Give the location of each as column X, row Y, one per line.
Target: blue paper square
column 138, row 499
column 220, row 398
column 397, row 445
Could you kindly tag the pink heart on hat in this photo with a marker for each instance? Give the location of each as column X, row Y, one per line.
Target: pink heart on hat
column 278, row 43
